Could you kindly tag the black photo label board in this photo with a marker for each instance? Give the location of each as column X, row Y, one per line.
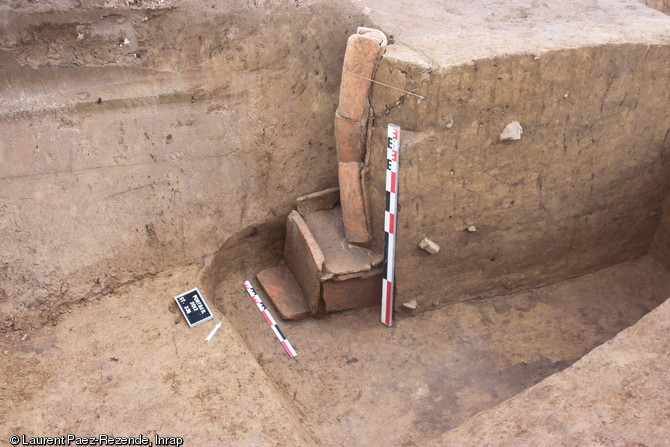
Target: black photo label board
column 193, row 307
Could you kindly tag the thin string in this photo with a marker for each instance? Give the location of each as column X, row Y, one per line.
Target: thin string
column 386, row 85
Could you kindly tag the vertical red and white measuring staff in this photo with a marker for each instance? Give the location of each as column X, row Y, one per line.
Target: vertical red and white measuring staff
column 271, row 321
column 390, row 221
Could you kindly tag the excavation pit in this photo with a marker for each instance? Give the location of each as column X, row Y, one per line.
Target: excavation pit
column 138, row 162
column 439, row 366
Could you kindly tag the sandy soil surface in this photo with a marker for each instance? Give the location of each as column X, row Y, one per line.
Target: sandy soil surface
column 128, row 364
column 462, row 31
column 621, row 399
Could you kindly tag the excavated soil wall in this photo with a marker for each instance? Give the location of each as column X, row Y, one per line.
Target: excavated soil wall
column 661, row 5
column 583, row 188
column 144, row 136
column 139, row 136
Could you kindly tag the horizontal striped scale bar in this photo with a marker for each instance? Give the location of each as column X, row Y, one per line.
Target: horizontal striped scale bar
column 268, row 317
column 390, row 221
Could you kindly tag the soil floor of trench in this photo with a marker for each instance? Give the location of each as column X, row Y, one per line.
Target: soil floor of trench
column 128, row 365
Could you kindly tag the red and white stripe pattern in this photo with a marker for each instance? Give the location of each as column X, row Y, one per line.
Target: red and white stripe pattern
column 271, row 321
column 390, row 221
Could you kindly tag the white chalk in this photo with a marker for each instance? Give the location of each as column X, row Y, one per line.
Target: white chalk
column 512, row 131
column 211, row 334
column 411, row 305
column 430, row 246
